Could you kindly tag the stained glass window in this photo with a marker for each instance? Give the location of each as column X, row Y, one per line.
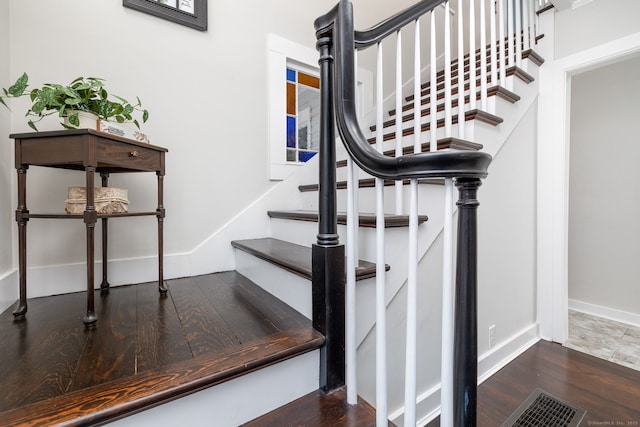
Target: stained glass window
column 303, row 116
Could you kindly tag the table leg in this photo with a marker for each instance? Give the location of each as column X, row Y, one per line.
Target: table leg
column 22, row 217
column 90, row 219
column 160, row 214
column 104, row 286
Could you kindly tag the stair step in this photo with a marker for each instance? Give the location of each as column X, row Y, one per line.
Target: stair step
column 318, row 409
column 498, row 91
column 533, row 56
column 369, row 183
column 549, row 6
column 367, row 220
column 425, row 99
column 207, row 330
column 443, row 143
column 292, row 257
column 511, row 71
column 476, row 114
column 520, row 73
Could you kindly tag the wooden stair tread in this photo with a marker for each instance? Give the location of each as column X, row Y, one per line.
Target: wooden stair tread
column 425, row 88
column 293, row 257
column 367, row 220
column 497, row 90
column 476, row 114
column 272, row 332
column 318, row 409
column 369, row 183
column 533, row 56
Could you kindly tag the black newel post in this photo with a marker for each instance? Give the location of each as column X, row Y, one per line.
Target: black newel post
column 327, row 254
column 465, row 376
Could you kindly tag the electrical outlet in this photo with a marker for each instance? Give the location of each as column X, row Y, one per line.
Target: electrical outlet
column 492, row 335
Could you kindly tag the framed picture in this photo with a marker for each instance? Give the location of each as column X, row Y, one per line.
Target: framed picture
column 192, row 13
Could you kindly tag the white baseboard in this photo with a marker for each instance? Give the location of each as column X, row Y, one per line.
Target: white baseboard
column 8, row 289
column 606, row 312
column 488, row 364
column 66, row 278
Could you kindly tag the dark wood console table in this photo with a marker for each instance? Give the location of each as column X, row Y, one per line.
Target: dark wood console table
column 89, row 151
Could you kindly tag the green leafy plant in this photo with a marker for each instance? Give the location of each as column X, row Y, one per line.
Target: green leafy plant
column 86, row 94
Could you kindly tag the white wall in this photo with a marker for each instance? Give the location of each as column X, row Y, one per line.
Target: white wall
column 8, row 289
column 206, row 93
column 594, row 23
column 604, row 233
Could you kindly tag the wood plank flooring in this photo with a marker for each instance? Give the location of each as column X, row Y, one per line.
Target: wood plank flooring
column 610, row 393
column 317, row 409
column 145, row 350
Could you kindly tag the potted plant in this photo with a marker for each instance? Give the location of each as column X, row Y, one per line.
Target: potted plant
column 84, row 94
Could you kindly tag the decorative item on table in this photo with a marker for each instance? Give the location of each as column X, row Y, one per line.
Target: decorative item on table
column 84, row 94
column 121, row 129
column 107, row 200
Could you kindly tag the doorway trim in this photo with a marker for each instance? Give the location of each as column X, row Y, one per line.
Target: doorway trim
column 554, row 106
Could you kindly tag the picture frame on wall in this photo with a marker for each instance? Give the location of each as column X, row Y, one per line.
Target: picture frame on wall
column 192, row 13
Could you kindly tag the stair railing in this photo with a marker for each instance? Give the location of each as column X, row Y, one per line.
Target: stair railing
column 510, row 29
column 337, row 42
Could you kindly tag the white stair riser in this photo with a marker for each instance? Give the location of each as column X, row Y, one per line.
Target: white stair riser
column 225, row 405
column 288, row 287
column 367, row 198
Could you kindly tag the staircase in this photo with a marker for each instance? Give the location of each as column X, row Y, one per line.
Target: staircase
column 281, row 262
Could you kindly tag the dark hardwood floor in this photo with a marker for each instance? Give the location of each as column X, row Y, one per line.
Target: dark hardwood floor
column 145, row 349
column 609, row 393
column 317, row 409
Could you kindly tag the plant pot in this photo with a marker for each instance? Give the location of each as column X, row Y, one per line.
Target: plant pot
column 87, row 120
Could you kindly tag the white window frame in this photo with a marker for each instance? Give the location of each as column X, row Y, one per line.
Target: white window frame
column 281, row 54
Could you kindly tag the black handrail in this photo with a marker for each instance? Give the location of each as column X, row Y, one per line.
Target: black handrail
column 450, row 164
column 378, row 32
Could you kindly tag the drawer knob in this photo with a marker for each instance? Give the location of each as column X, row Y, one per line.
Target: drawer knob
column 134, row 154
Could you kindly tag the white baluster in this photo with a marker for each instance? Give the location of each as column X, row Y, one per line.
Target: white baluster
column 447, row 71
column 352, row 262
column 417, row 98
column 448, row 298
column 472, row 57
column 532, row 23
column 503, row 45
column 381, row 306
column 412, row 282
column 351, row 380
column 398, row 184
column 356, row 193
column 412, row 310
column 433, row 88
column 461, row 109
column 526, row 25
column 518, row 35
column 510, row 33
column 494, row 51
column 483, row 57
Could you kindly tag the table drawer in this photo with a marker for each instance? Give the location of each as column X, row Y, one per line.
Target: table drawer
column 117, row 154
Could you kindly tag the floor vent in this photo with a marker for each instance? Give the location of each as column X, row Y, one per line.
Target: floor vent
column 543, row 410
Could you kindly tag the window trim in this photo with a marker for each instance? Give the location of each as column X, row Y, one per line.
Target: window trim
column 283, row 53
